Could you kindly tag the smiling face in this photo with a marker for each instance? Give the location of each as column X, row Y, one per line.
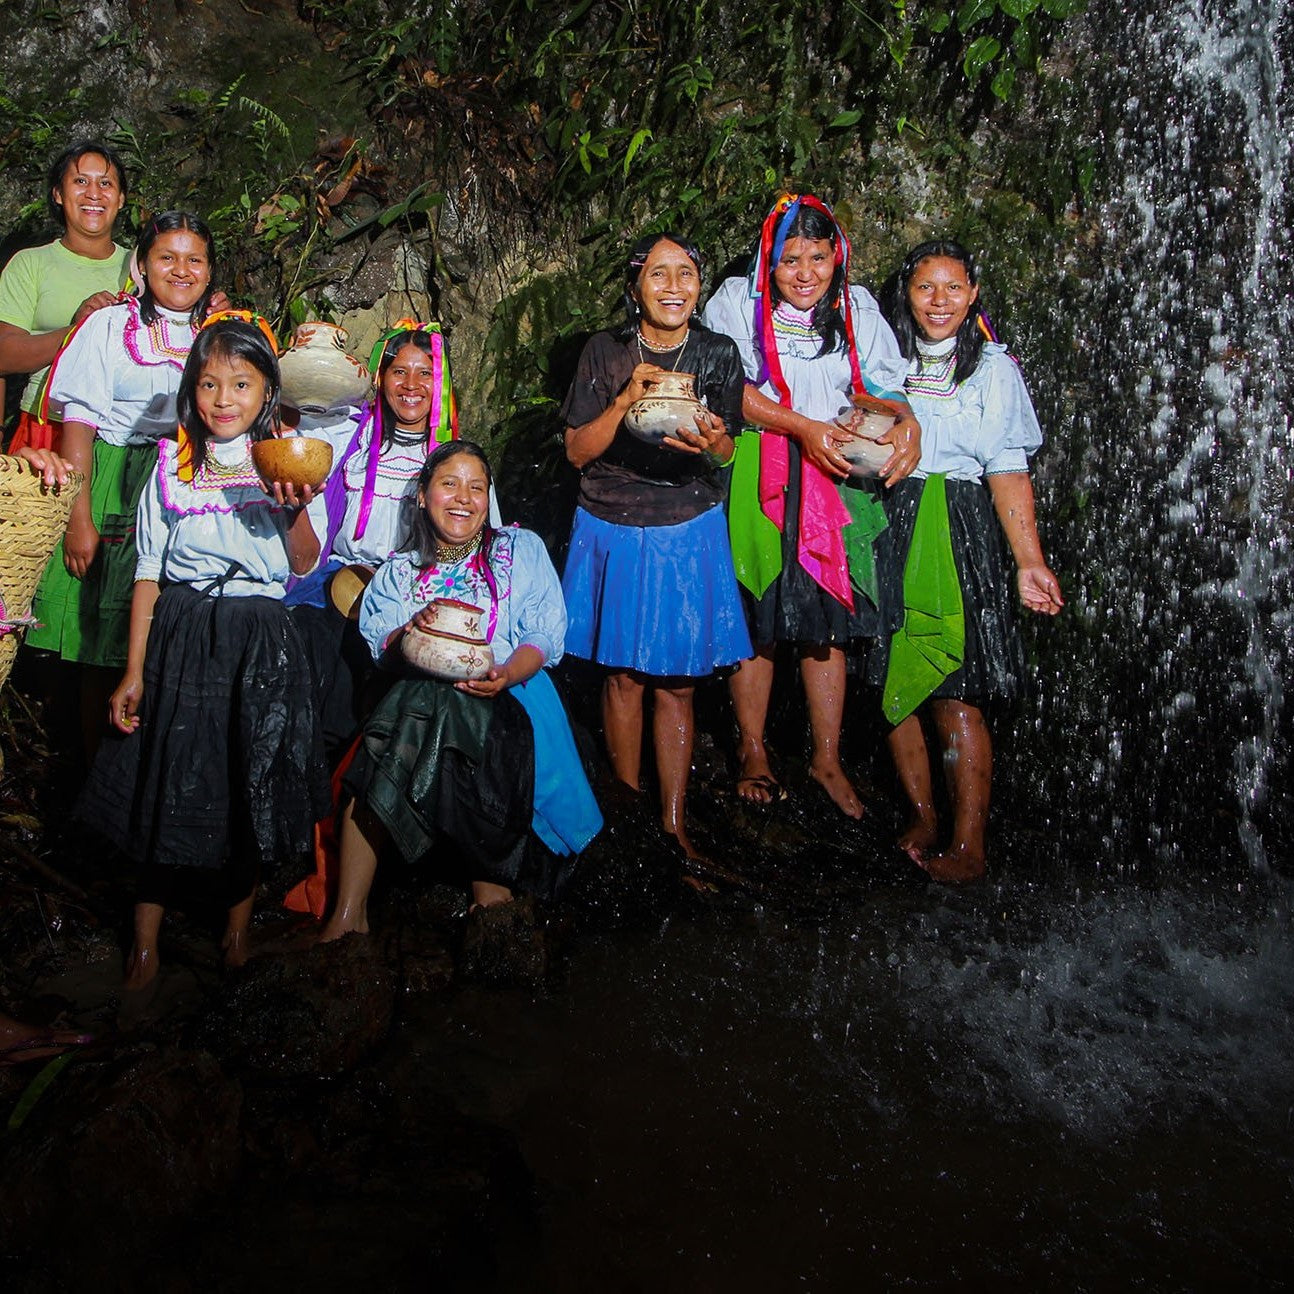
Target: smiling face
column 457, row 499
column 407, row 386
column 230, row 395
column 177, row 269
column 90, row 198
column 940, row 296
column 667, row 290
column 804, row 272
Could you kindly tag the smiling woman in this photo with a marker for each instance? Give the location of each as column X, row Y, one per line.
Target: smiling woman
column 113, row 386
column 46, row 290
column 371, row 497
column 649, row 578
column 473, row 768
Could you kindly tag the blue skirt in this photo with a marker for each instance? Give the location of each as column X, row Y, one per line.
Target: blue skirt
column 661, row 600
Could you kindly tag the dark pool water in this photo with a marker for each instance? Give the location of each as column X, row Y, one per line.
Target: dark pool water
column 1031, row 1081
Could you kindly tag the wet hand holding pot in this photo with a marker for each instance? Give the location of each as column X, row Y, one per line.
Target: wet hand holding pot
column 669, row 405
column 861, row 425
column 447, row 641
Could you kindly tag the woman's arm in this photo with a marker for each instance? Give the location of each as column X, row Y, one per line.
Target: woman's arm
column 301, row 539
column 592, row 439
column 1013, row 498
column 82, row 539
column 123, row 706
column 524, row 663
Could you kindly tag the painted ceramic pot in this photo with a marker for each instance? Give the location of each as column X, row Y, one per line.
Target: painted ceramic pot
column 670, row 404
column 318, row 374
column 299, row 461
column 866, row 454
column 454, row 648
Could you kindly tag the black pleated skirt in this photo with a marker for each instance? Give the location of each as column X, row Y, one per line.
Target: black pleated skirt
column 993, row 668
column 795, row 608
column 228, row 757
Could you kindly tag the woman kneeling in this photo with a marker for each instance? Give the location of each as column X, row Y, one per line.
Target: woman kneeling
column 483, row 761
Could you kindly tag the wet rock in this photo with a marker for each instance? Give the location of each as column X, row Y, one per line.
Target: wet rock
column 316, row 1011
column 504, row 944
column 117, row 1150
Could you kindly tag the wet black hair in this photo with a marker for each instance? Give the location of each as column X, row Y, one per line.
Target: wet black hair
column 68, row 158
column 227, row 339
column 393, row 346
column 828, row 319
column 898, row 311
column 634, row 263
column 422, row 537
column 165, row 223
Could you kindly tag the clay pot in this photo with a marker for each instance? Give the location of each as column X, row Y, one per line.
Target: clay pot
column 671, row 403
column 295, row 460
column 864, row 422
column 318, row 374
column 454, row 648
column 346, row 588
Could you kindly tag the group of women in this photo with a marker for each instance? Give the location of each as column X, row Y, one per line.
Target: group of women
column 207, row 587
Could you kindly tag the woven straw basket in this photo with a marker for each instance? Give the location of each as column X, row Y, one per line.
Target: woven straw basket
column 31, row 521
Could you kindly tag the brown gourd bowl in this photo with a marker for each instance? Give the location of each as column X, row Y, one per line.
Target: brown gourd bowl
column 295, row 460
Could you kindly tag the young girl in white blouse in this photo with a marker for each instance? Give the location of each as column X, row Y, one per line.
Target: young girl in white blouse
column 942, row 559
column 219, row 768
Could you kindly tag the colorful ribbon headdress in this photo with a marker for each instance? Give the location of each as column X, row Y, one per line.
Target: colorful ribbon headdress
column 442, row 422
column 185, row 467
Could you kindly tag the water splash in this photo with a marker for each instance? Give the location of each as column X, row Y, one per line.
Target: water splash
column 1170, row 679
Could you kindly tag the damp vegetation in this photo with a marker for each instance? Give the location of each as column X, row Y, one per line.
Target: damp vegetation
column 514, row 148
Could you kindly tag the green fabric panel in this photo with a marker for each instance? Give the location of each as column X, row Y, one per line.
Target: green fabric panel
column 89, row 620
column 756, row 541
column 867, row 515
column 404, row 742
column 932, row 642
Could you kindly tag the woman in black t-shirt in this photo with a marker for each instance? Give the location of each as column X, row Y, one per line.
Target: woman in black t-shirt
column 649, row 583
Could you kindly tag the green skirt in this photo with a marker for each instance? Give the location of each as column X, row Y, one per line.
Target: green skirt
column 89, row 620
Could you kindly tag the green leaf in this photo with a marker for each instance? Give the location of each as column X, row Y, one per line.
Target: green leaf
column 36, row 1087
column 939, row 21
column 640, row 137
column 1063, row 8
column 850, row 117
column 973, row 11
column 981, row 52
column 1004, row 82
column 1018, row 8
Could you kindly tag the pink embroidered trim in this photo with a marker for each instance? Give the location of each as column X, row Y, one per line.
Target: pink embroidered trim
column 171, row 501
column 159, row 336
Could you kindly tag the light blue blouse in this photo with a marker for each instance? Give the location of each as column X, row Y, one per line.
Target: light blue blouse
column 987, row 425
column 527, row 596
column 819, row 384
column 120, row 375
column 191, row 533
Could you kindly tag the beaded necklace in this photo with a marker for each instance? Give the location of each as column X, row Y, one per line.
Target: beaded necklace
column 663, row 350
column 448, row 554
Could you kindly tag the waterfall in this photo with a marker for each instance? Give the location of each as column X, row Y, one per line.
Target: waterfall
column 1163, row 717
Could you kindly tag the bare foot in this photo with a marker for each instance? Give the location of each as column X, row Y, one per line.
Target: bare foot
column 339, row 925
column 756, row 783
column 235, row 946
column 919, row 839
column 833, row 779
column 956, row 866
column 485, row 894
column 141, row 968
